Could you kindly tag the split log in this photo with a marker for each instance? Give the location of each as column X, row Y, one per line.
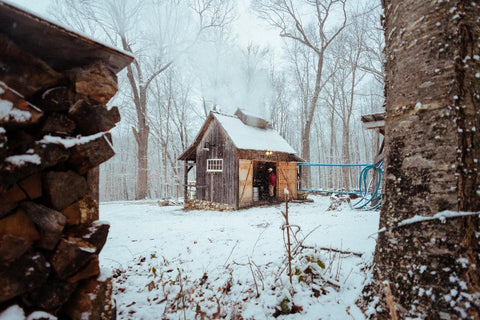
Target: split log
column 15, row 194
column 6, row 205
column 22, row 71
column 11, row 248
column 18, row 233
column 95, row 81
column 64, row 188
column 19, row 141
column 58, row 124
column 92, row 269
column 95, row 233
column 51, row 154
column 71, row 255
column 25, row 274
column 21, row 166
column 93, row 118
column 48, row 221
column 83, row 211
column 86, row 156
column 56, row 99
column 10, row 198
column 15, row 111
column 93, row 297
column 20, row 226
column 32, row 186
column 51, row 296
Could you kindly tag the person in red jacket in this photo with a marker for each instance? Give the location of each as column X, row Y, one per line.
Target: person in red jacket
column 272, row 181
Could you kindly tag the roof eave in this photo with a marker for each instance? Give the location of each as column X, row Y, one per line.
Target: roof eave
column 190, row 152
column 60, row 48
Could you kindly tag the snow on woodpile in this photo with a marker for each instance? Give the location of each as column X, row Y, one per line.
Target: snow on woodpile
column 54, row 126
column 21, row 159
column 8, row 112
column 14, row 109
column 70, row 142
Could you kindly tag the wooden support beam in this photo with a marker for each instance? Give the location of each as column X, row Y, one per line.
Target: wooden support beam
column 374, row 124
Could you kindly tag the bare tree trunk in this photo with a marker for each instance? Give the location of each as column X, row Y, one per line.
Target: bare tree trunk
column 141, row 134
column 285, row 16
column 432, row 143
column 142, row 162
column 346, row 156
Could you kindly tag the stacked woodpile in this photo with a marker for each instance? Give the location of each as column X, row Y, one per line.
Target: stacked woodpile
column 206, row 205
column 53, row 135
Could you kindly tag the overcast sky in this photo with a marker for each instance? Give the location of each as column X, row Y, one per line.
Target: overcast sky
column 36, row 6
column 248, row 27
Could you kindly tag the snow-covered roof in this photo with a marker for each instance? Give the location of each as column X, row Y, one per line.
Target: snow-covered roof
column 252, row 138
column 243, row 136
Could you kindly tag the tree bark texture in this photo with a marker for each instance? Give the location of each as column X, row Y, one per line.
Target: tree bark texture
column 431, row 163
column 141, row 137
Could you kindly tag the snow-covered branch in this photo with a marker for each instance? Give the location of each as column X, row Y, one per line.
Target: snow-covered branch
column 442, row 216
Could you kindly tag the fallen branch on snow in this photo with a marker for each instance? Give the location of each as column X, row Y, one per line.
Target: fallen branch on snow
column 358, row 254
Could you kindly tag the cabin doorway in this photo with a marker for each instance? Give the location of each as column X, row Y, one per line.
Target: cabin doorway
column 260, row 180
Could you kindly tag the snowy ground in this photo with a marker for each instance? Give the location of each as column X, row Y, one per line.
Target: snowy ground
column 174, row 264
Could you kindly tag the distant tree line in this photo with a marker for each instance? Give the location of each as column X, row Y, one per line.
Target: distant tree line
column 188, row 61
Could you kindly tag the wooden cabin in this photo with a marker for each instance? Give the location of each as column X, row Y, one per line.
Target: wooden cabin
column 232, row 154
column 376, row 121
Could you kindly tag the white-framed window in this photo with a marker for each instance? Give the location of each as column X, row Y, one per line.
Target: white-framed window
column 214, row 165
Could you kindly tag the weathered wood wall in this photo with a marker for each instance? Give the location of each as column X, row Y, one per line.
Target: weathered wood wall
column 262, row 156
column 217, row 186
column 229, row 186
column 286, row 178
column 245, row 183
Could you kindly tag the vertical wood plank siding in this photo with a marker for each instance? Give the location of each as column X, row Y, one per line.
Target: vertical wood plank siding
column 223, row 187
column 217, row 186
column 286, row 178
column 245, row 183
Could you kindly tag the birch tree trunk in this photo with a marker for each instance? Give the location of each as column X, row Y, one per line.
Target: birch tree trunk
column 430, row 269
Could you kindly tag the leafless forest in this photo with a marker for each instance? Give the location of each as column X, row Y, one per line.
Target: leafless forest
column 317, row 72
